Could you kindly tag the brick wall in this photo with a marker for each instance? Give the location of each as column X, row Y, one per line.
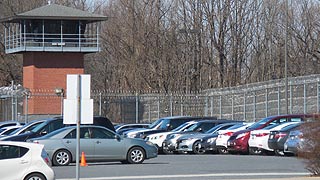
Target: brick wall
column 47, row 71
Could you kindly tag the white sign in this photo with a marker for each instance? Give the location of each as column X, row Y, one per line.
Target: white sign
column 78, row 91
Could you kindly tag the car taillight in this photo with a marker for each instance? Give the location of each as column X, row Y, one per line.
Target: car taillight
column 280, row 135
column 228, row 133
column 262, row 134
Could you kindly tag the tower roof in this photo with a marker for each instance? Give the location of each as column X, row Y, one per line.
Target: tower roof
column 56, row 12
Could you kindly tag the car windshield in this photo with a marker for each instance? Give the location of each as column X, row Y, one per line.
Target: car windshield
column 155, row 124
column 291, row 126
column 39, row 127
column 177, row 129
column 236, row 126
column 213, row 129
column 193, row 127
column 259, row 123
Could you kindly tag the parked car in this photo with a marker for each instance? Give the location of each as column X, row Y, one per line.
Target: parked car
column 158, row 138
column 258, row 141
column 278, row 138
column 121, row 128
column 25, row 128
column 98, row 144
column 191, row 143
column 293, row 143
column 9, row 123
column 170, row 144
column 21, row 160
column 238, row 142
column 7, row 130
column 53, row 124
column 163, row 125
column 224, row 135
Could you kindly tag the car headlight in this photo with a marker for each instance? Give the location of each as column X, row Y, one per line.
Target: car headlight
column 149, row 143
column 131, row 135
column 211, row 140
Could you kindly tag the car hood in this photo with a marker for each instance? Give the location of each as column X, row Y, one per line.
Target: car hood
column 193, row 136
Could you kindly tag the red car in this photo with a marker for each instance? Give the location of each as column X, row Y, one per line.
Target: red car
column 238, row 142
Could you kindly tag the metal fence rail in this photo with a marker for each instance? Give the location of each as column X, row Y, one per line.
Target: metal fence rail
column 248, row 102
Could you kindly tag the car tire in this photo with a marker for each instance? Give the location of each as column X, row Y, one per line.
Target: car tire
column 196, row 148
column 36, row 176
column 255, row 151
column 278, row 152
column 223, row 151
column 61, row 157
column 165, row 151
column 136, row 155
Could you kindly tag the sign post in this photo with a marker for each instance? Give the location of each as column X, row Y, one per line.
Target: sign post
column 78, row 107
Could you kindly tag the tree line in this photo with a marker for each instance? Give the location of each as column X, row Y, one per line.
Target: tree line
column 190, row 45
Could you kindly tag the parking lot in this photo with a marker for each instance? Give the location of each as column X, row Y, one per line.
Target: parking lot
column 207, row 166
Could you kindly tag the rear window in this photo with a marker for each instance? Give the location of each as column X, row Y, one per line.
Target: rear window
column 11, row 152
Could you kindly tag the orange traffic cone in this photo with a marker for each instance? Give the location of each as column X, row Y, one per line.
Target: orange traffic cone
column 83, row 160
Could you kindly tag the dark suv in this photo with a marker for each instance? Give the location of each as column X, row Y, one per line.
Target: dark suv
column 53, row 124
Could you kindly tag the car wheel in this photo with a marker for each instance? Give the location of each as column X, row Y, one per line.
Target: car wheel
column 35, row 176
column 197, row 149
column 136, row 155
column 166, row 151
column 61, row 158
column 223, row 151
column 255, row 151
column 278, row 152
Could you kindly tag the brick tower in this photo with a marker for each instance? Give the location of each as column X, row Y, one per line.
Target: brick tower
column 53, row 40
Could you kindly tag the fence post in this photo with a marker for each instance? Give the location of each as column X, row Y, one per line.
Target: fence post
column 100, row 103
column 266, row 104
column 279, row 108
column 137, row 108
column 291, row 97
column 318, row 100
column 171, row 105
column 149, row 113
column 304, row 98
column 211, row 105
column 206, row 108
column 158, row 106
column 244, row 106
column 181, row 105
column 232, row 106
column 220, row 108
column 254, row 105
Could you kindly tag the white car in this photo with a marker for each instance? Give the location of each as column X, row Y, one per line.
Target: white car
column 7, row 130
column 224, row 135
column 158, row 138
column 258, row 141
column 25, row 128
column 24, row 161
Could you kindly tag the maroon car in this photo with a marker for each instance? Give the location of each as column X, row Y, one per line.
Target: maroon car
column 238, row 142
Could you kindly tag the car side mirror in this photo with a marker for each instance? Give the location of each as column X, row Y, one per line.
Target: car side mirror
column 43, row 133
column 117, row 137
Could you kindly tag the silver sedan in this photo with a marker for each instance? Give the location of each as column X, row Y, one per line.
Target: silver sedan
column 98, row 144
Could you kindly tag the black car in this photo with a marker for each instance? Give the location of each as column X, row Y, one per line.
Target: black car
column 53, row 124
column 278, row 138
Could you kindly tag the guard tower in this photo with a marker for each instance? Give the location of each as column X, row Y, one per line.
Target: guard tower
column 53, row 40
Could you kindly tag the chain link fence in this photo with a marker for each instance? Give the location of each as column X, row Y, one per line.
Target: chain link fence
column 248, row 102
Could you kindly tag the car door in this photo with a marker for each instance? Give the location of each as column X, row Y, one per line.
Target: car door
column 13, row 157
column 107, row 146
column 86, row 143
